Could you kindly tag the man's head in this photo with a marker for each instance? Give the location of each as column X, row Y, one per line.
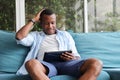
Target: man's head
column 48, row 21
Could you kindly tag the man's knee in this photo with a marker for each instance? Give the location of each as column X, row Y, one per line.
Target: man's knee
column 92, row 64
column 98, row 63
column 32, row 62
column 95, row 64
column 34, row 65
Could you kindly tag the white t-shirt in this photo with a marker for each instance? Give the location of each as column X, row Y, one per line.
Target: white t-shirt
column 48, row 44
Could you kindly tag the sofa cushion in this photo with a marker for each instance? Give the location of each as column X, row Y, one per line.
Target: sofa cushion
column 10, row 76
column 103, row 76
column 104, row 46
column 11, row 54
column 63, row 77
column 113, row 72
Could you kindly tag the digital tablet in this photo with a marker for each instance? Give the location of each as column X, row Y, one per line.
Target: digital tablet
column 54, row 56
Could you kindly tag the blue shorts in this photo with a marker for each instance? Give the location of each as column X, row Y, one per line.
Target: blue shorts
column 71, row 68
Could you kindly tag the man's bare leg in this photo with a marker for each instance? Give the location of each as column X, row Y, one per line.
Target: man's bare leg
column 36, row 70
column 91, row 69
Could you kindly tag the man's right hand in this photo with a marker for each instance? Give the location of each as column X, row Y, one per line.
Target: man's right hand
column 37, row 16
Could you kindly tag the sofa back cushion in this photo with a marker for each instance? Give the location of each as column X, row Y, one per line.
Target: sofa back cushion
column 11, row 54
column 104, row 46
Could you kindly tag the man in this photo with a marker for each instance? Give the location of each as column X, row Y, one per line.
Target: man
column 52, row 39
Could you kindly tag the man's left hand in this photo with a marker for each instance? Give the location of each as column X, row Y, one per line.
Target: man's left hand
column 68, row 56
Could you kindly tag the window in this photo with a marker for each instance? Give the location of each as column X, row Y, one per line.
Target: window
column 104, row 15
column 7, row 15
column 69, row 13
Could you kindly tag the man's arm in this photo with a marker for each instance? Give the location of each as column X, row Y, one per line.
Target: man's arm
column 23, row 32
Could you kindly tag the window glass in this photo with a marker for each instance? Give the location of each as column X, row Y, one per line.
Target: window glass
column 7, row 15
column 69, row 13
column 104, row 15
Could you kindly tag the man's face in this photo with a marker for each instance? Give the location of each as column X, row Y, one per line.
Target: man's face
column 49, row 24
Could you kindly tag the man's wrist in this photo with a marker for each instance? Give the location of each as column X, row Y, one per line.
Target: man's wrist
column 32, row 20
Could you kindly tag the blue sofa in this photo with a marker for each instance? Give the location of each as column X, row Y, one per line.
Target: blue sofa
column 104, row 46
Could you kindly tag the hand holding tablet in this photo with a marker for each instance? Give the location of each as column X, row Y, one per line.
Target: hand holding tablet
column 55, row 56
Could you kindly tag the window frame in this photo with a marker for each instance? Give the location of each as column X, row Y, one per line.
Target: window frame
column 20, row 13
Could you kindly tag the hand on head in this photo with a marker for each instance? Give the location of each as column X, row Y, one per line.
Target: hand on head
column 37, row 16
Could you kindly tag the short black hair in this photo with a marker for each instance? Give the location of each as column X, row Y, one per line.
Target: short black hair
column 46, row 12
